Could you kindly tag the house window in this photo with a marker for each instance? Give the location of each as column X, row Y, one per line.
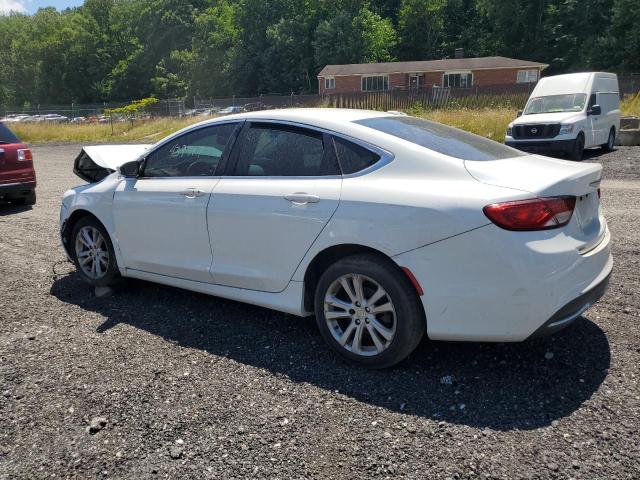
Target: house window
column 375, row 83
column 457, row 79
column 329, row 83
column 527, row 76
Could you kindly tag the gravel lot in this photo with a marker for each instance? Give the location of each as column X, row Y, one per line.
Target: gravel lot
column 157, row 382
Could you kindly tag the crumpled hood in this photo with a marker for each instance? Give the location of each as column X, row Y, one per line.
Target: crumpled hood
column 112, row 156
column 96, row 162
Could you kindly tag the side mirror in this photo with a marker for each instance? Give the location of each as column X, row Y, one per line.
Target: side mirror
column 129, row 169
column 519, row 114
column 595, row 110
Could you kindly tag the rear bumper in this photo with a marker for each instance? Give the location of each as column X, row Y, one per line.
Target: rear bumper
column 572, row 310
column 16, row 189
column 543, row 146
column 498, row 286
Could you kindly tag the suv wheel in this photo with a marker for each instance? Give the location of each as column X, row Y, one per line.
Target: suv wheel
column 93, row 253
column 368, row 311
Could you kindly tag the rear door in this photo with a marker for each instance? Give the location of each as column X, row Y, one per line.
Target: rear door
column 160, row 217
column 280, row 190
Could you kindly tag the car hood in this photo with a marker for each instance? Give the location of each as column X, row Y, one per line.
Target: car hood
column 96, row 162
column 558, row 117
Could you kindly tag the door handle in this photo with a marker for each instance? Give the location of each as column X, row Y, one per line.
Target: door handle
column 302, row 198
column 192, row 193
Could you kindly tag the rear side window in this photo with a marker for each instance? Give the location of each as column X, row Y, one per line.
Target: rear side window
column 282, row 151
column 7, row 136
column 352, row 157
column 441, row 138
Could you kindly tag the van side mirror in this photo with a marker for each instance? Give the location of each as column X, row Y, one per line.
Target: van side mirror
column 129, row 169
column 519, row 114
column 594, row 110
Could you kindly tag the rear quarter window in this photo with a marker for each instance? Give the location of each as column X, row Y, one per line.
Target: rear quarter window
column 353, row 158
column 7, row 136
column 441, row 138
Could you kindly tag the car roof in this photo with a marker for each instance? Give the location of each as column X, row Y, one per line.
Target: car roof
column 321, row 117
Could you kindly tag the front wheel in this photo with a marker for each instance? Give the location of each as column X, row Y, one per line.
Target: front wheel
column 368, row 311
column 578, row 148
column 93, row 253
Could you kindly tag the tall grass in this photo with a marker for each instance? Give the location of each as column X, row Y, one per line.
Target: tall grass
column 631, row 105
column 147, row 131
column 490, row 123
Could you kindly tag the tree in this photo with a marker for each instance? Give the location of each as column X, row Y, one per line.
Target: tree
column 421, row 27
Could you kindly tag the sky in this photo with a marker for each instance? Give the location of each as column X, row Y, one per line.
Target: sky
column 32, row 6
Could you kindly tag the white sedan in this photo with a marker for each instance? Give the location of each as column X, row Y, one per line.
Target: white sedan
column 383, row 225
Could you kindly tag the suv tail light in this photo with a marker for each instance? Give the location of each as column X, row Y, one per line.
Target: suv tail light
column 533, row 214
column 24, row 154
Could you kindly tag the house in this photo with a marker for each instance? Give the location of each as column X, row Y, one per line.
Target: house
column 453, row 72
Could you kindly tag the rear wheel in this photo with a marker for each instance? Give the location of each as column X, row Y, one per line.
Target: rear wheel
column 578, row 148
column 611, row 141
column 93, row 253
column 368, row 311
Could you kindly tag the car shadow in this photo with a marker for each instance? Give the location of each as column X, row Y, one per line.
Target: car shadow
column 8, row 208
column 499, row 386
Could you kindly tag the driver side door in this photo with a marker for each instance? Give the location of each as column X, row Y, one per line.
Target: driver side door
column 160, row 217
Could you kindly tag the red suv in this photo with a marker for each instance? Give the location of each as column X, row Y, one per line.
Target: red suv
column 17, row 176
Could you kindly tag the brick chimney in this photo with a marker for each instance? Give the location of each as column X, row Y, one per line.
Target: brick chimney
column 459, row 53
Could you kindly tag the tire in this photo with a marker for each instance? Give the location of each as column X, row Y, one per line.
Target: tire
column 398, row 330
column 611, row 141
column 108, row 274
column 578, row 148
column 29, row 199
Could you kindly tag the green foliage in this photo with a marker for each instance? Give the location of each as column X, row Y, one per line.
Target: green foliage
column 115, row 50
column 134, row 108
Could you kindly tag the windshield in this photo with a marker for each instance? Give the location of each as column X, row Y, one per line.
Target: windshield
column 441, row 138
column 572, row 102
column 7, row 136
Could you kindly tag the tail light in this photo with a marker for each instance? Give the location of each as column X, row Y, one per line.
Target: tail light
column 533, row 214
column 24, row 154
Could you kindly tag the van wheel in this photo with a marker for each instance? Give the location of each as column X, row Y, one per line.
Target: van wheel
column 368, row 311
column 611, row 141
column 578, row 148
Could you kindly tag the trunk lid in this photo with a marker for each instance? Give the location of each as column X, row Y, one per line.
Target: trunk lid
column 549, row 177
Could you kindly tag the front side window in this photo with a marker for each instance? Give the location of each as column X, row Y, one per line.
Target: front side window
column 441, row 138
column 375, row 83
column 196, row 153
column 461, row 80
column 329, row 83
column 281, row 151
column 573, row 102
column 527, row 76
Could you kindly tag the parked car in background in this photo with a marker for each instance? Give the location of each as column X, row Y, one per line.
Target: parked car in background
column 568, row 113
column 385, row 226
column 230, row 110
column 17, row 175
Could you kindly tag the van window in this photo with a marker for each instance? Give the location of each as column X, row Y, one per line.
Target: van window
column 442, row 139
column 572, row 102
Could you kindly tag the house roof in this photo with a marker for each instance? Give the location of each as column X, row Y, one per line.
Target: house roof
column 479, row 63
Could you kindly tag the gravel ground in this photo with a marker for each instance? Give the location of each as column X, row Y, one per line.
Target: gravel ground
column 157, row 382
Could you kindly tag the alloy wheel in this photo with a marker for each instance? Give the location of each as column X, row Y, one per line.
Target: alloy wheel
column 360, row 314
column 92, row 252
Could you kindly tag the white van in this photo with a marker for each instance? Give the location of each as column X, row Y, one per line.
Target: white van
column 568, row 113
